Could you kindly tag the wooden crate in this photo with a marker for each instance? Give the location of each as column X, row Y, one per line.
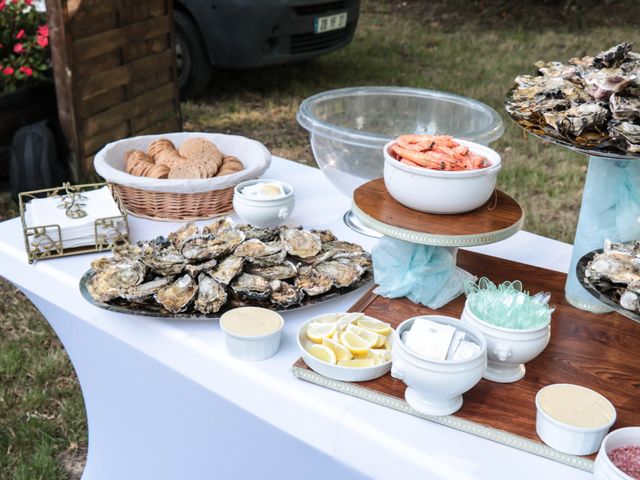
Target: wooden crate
column 115, row 70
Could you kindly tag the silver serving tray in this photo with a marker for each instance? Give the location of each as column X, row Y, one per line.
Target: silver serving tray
column 156, row 310
column 606, row 295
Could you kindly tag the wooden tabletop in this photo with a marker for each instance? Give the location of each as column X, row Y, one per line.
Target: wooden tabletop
column 496, row 220
column 597, row 351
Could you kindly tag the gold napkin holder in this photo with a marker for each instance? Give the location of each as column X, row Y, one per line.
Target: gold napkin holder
column 45, row 241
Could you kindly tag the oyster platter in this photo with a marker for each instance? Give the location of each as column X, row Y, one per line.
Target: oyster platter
column 203, row 272
column 591, row 104
column 612, row 275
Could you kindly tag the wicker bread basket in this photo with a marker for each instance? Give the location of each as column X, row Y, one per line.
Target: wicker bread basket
column 175, row 200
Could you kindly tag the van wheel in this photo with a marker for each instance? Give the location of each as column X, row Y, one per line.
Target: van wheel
column 192, row 60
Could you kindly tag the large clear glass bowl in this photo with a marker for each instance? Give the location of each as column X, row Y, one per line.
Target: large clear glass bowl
column 348, row 127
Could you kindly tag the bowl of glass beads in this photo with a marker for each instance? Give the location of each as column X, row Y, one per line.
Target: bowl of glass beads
column 516, row 325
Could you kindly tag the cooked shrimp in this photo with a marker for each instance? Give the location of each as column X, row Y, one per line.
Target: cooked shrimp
column 438, row 152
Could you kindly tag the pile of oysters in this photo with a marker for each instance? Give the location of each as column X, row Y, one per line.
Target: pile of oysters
column 227, row 265
column 616, row 272
column 592, row 102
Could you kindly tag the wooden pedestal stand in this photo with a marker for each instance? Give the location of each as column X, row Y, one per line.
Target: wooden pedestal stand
column 498, row 219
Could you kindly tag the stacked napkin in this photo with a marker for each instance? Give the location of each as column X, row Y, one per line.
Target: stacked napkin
column 75, row 232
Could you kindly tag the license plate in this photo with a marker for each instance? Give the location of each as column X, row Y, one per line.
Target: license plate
column 330, row 22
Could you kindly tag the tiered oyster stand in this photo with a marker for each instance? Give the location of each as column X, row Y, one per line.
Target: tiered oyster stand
column 498, row 219
column 610, row 209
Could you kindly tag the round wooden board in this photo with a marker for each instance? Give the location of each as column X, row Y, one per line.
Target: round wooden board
column 499, row 218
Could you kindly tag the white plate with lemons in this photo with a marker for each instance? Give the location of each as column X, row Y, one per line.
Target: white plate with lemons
column 351, row 347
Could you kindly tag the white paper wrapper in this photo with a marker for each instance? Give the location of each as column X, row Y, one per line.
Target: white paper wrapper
column 109, row 162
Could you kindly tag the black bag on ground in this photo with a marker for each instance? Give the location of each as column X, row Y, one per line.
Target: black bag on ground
column 34, row 159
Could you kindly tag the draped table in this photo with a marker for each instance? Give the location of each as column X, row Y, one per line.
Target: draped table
column 165, row 401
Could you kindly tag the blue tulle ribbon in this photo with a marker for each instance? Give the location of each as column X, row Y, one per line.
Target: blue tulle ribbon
column 423, row 273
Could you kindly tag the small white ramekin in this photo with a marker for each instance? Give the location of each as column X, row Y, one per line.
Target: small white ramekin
column 265, row 212
column 604, row 468
column 568, row 438
column 442, row 192
column 252, row 347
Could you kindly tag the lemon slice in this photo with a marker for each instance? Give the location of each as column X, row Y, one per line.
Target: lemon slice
column 380, row 355
column 357, row 363
column 387, row 344
column 372, row 338
column 381, row 328
column 329, row 318
column 317, row 331
column 355, row 343
column 324, row 353
column 342, row 352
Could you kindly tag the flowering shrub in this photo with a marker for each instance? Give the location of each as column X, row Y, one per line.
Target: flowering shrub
column 24, row 44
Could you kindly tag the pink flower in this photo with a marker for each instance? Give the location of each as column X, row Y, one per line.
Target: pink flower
column 18, row 48
column 27, row 71
column 43, row 30
column 28, row 2
column 3, row 4
column 8, row 71
column 20, row 34
column 42, row 41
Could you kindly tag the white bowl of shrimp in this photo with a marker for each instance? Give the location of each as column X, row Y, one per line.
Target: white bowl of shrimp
column 440, row 174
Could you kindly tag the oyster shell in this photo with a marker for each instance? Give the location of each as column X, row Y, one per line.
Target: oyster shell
column 261, row 253
column 255, row 248
column 178, row 237
column 312, row 282
column 577, row 119
column 284, row 294
column 265, row 234
column 628, row 134
column 144, row 291
column 613, row 57
column 624, row 107
column 325, row 235
column 281, row 271
column 363, row 261
column 227, row 269
column 205, row 247
column 601, row 84
column 177, row 296
column 166, row 261
column 251, row 287
column 113, row 279
column 126, row 251
column 195, row 270
column 613, row 268
column 211, row 295
column 629, row 300
column 343, row 274
column 300, row 243
column 218, row 226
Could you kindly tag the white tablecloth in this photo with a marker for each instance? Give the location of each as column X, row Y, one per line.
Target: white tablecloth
column 165, row 401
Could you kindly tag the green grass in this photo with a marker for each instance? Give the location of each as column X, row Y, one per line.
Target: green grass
column 473, row 48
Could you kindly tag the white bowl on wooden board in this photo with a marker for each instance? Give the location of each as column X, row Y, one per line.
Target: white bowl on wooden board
column 508, row 349
column 337, row 372
column 435, row 387
column 604, row 468
column 442, row 192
